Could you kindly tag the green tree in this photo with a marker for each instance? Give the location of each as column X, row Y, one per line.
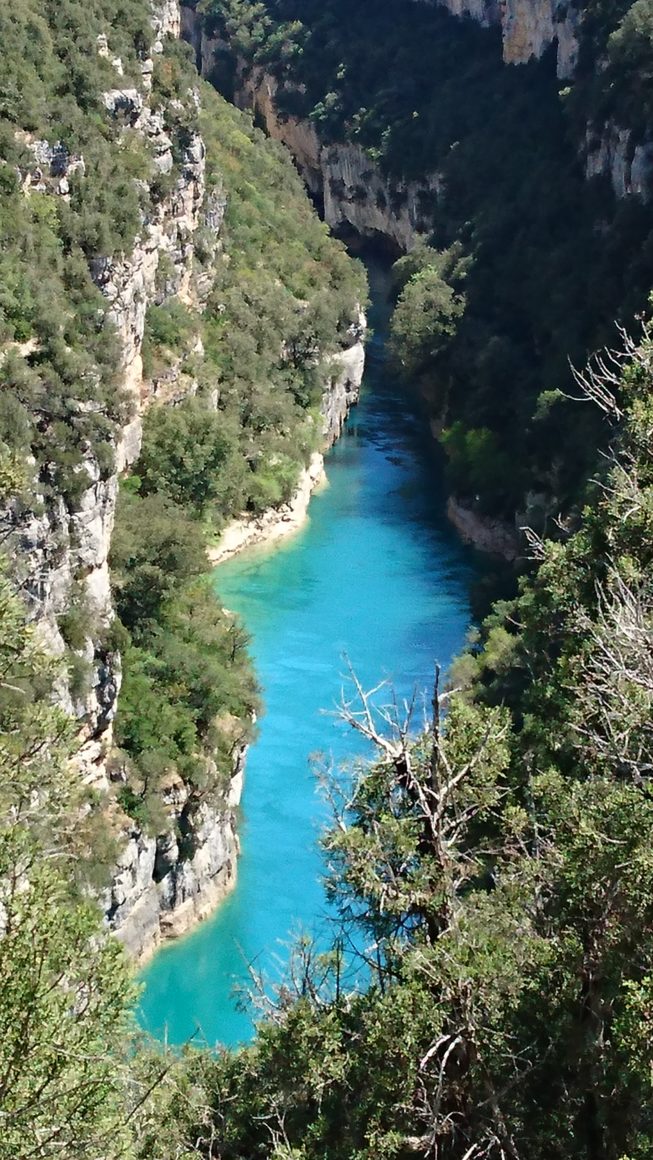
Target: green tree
column 190, row 454
column 155, row 549
column 66, row 995
column 494, row 874
column 424, row 320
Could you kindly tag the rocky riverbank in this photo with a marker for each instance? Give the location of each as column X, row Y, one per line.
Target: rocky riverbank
column 341, row 393
column 275, row 523
column 160, row 891
column 497, row 537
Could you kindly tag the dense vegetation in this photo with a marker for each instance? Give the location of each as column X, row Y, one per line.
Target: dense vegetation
column 240, row 366
column 498, row 873
column 283, row 298
column 59, row 398
column 254, row 363
column 66, row 1087
column 546, row 260
column 244, row 362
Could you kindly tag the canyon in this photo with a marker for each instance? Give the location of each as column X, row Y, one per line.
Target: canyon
column 162, row 886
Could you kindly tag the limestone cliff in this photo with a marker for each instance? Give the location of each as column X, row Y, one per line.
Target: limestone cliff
column 164, row 885
column 612, row 151
column 60, row 543
column 62, row 550
column 354, row 192
column 528, row 28
column 343, row 382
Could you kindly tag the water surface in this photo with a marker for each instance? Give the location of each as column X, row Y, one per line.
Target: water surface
column 377, row 576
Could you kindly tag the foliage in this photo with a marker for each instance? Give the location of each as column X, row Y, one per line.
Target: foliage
column 58, row 397
column 155, row 550
column 188, row 692
column 191, row 455
column 283, row 295
column 284, row 299
column 495, row 874
column 476, row 464
column 548, row 259
column 424, row 318
column 64, row 1008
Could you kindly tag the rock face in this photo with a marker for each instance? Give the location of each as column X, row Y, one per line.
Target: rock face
column 129, row 284
column 611, row 152
column 354, row 191
column 164, row 886
column 60, row 559
column 62, row 551
column 528, row 28
column 344, row 382
column 163, row 883
column 358, row 195
column 494, row 536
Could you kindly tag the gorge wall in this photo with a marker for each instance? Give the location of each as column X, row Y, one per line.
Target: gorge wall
column 352, row 191
column 63, row 553
column 529, row 28
column 480, row 148
column 59, row 544
column 356, row 192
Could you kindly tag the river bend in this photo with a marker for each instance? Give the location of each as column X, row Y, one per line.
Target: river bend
column 377, row 575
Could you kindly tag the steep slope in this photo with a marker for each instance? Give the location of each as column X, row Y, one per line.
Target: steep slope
column 407, row 125
column 495, row 875
column 114, row 255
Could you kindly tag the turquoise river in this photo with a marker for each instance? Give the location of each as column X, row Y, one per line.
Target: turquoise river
column 375, row 575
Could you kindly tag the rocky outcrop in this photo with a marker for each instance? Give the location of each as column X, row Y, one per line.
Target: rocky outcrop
column 528, row 28
column 166, row 21
column 129, row 284
column 53, row 166
column 358, row 195
column 343, row 383
column 484, row 532
column 165, row 885
column 60, row 559
column 613, row 153
column 164, row 882
column 355, row 193
column 62, row 550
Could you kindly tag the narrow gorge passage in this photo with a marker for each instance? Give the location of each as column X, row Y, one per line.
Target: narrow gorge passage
column 376, row 574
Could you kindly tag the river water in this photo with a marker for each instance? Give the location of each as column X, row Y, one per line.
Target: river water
column 376, row 576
